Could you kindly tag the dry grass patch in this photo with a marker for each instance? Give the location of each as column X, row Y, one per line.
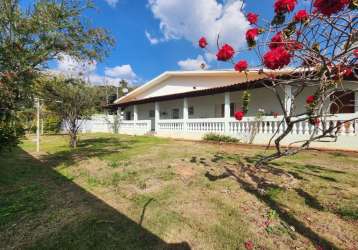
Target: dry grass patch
column 146, row 192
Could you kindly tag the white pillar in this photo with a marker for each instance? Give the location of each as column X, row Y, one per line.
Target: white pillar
column 119, row 119
column 288, row 98
column 185, row 113
column 157, row 115
column 227, row 111
column 135, row 113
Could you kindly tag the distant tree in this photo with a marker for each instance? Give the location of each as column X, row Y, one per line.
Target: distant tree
column 29, row 39
column 72, row 100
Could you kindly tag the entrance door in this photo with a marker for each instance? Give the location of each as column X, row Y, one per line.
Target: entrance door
column 343, row 102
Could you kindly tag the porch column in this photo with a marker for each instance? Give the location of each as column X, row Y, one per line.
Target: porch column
column 135, row 113
column 119, row 120
column 227, row 111
column 157, row 115
column 288, row 98
column 185, row 113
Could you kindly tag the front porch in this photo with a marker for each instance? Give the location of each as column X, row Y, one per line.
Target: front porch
column 193, row 117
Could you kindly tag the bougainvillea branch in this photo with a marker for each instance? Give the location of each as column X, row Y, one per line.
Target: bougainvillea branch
column 310, row 50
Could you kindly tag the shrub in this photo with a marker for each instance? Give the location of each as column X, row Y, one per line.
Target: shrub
column 220, row 138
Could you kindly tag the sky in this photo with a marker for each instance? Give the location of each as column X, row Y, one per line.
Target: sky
column 154, row 36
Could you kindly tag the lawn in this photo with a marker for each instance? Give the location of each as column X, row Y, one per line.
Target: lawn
column 123, row 192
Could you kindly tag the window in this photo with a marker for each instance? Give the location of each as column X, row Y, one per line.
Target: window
column 191, row 110
column 151, row 113
column 128, row 115
column 343, row 102
column 175, row 114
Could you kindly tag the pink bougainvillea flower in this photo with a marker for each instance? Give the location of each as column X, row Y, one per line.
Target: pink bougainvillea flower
column 329, row 7
column 252, row 17
column 310, row 99
column 277, row 58
column 241, row 65
column 347, row 71
column 225, row 53
column 284, row 6
column 277, row 40
column 251, row 34
column 203, row 43
column 239, row 115
column 301, row 16
column 355, row 53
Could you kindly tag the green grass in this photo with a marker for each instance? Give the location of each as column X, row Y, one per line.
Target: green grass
column 138, row 192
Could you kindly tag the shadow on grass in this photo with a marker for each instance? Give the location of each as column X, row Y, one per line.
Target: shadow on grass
column 309, row 199
column 88, row 148
column 268, row 199
column 41, row 209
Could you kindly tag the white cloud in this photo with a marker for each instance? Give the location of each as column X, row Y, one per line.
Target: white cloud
column 192, row 64
column 124, row 72
column 71, row 67
column 153, row 40
column 112, row 3
column 188, row 19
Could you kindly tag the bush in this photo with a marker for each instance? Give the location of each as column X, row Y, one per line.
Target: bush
column 220, row 138
column 10, row 135
column 52, row 124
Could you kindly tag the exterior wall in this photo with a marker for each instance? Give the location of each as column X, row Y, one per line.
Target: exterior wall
column 180, row 84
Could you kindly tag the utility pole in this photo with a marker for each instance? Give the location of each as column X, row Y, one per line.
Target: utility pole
column 38, row 125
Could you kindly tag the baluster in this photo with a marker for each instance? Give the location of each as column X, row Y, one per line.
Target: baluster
column 300, row 128
column 260, row 127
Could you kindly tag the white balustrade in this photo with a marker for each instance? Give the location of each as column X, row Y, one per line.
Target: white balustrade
column 138, row 127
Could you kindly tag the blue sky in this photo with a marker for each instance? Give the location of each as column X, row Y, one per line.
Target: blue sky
column 173, row 27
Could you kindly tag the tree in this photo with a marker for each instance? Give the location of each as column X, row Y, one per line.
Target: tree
column 31, row 38
column 70, row 99
column 319, row 44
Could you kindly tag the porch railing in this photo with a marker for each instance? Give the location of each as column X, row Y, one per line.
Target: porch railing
column 170, row 125
column 264, row 125
column 140, row 126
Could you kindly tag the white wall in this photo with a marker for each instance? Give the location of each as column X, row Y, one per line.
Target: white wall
column 180, row 84
column 210, row 106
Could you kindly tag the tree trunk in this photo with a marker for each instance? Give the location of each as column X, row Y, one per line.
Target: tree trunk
column 73, row 140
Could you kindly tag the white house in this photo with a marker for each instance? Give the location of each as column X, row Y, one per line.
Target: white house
column 190, row 104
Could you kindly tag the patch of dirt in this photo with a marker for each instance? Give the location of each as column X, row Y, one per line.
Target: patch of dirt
column 185, row 172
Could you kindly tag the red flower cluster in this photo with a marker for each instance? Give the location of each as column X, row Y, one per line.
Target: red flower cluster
column 225, row 53
column 347, row 71
column 251, row 35
column 310, row 99
column 301, row 16
column 277, row 58
column 284, row 6
column 252, row 17
column 276, row 40
column 241, row 66
column 203, row 43
column 239, row 115
column 355, row 52
column 330, row 7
